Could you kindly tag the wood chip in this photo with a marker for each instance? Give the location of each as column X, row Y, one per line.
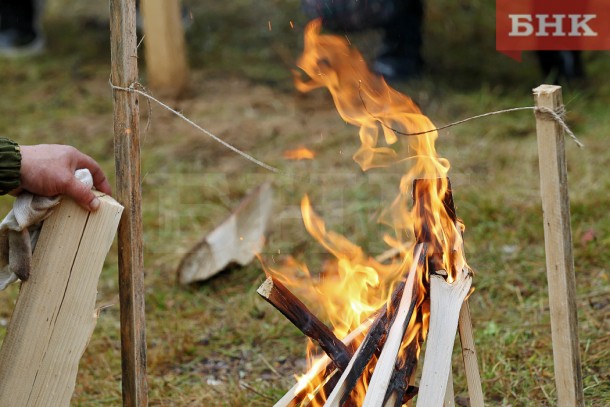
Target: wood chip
column 236, row 240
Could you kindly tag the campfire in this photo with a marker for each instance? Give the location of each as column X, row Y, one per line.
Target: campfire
column 381, row 310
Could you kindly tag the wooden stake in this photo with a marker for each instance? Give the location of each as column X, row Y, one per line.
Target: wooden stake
column 124, row 73
column 469, row 355
column 445, row 305
column 166, row 62
column 558, row 248
column 55, row 312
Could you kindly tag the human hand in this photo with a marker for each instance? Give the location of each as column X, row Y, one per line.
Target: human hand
column 48, row 170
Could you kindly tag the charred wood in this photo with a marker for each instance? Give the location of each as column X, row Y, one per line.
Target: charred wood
column 406, row 365
column 373, row 341
column 276, row 294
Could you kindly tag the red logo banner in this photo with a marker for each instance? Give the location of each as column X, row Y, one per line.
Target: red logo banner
column 531, row 25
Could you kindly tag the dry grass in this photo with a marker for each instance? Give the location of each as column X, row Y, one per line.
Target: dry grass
column 206, row 341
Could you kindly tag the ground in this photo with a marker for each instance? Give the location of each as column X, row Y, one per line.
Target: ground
column 218, row 343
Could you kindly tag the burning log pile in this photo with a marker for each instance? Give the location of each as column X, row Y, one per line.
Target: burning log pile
column 383, row 312
column 390, row 339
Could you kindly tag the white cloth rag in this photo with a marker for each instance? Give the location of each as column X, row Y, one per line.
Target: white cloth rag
column 20, row 228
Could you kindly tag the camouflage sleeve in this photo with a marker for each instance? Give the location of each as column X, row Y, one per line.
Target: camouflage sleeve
column 10, row 165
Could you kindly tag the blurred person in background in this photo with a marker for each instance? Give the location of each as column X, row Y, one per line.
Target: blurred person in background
column 20, row 28
column 21, row 31
column 561, row 65
column 401, row 23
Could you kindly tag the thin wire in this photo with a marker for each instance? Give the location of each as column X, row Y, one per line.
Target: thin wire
column 556, row 116
column 132, row 88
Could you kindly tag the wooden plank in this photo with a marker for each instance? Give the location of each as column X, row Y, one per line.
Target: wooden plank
column 384, row 368
column 469, row 355
column 449, row 394
column 164, row 47
column 55, row 312
column 558, row 248
column 445, row 305
column 124, row 73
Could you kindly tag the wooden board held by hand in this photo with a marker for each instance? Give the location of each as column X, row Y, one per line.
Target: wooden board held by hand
column 55, row 313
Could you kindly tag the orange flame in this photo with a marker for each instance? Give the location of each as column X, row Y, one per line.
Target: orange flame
column 301, row 153
column 354, row 285
column 367, row 101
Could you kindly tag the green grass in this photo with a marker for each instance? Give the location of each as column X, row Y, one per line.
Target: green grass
column 204, row 340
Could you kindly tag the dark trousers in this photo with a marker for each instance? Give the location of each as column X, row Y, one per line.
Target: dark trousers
column 17, row 15
column 403, row 33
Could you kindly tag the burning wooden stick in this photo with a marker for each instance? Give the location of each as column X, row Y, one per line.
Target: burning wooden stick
column 329, row 383
column 374, row 339
column 368, row 347
column 296, row 393
column 385, row 365
column 445, row 304
column 341, row 388
column 399, row 391
column 284, row 301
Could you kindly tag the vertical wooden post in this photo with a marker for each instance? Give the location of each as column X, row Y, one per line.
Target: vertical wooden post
column 469, row 355
column 558, row 247
column 165, row 51
column 124, row 72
